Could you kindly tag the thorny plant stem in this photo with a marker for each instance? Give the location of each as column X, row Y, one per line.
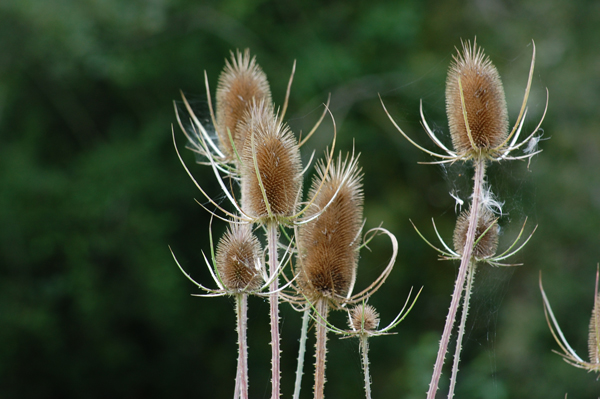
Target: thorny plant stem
column 321, row 349
column 364, row 350
column 272, row 230
column 301, row 352
column 479, row 164
column 461, row 327
column 241, row 381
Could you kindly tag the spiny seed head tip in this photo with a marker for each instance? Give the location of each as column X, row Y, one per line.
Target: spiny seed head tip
column 241, row 81
column 270, row 151
column 484, row 102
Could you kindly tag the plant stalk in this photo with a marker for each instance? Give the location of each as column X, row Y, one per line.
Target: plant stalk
column 301, row 352
column 241, row 381
column 321, row 348
column 461, row 327
column 479, row 176
column 364, row 349
column 272, row 237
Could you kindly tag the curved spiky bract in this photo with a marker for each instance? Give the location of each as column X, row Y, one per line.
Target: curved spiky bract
column 475, row 102
column 271, row 171
column 328, row 245
column 238, row 259
column 241, row 81
column 568, row 353
column 486, row 234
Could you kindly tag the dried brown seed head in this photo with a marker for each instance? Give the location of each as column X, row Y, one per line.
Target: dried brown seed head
column 238, row 259
column 484, row 102
column 241, row 81
column 328, row 245
column 488, row 244
column 594, row 337
column 364, row 317
column 271, row 149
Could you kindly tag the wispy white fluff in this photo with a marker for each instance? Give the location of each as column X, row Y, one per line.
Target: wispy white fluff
column 489, row 201
column 459, row 202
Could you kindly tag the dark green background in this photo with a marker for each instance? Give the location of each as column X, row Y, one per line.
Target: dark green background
column 91, row 192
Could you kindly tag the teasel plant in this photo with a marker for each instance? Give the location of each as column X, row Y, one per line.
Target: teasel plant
column 327, row 256
column 363, row 321
column 237, row 268
column 256, row 152
column 271, row 189
column 478, row 122
column 569, row 355
column 484, row 251
column 328, row 247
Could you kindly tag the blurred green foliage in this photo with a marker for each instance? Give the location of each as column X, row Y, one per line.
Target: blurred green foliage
column 91, row 192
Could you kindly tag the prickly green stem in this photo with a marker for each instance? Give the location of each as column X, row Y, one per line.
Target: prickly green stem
column 364, row 350
column 301, row 351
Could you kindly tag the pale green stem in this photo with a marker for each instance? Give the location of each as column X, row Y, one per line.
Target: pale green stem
column 479, row 164
column 321, row 348
column 241, row 381
column 461, row 327
column 272, row 230
column 301, row 351
column 364, row 349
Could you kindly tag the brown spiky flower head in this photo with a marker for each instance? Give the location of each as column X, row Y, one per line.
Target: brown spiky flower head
column 486, row 234
column 238, row 259
column 475, row 103
column 271, row 172
column 241, row 81
column 363, row 318
column 328, row 245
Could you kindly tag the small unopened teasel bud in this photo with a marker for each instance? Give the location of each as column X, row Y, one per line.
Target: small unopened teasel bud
column 488, row 244
column 364, row 317
column 484, row 102
column 238, row 259
column 241, row 81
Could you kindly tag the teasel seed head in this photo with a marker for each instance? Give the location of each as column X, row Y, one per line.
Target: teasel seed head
column 594, row 337
column 238, row 259
column 487, row 244
column 328, row 245
column 241, row 81
column 363, row 317
column 484, row 102
column 271, row 171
